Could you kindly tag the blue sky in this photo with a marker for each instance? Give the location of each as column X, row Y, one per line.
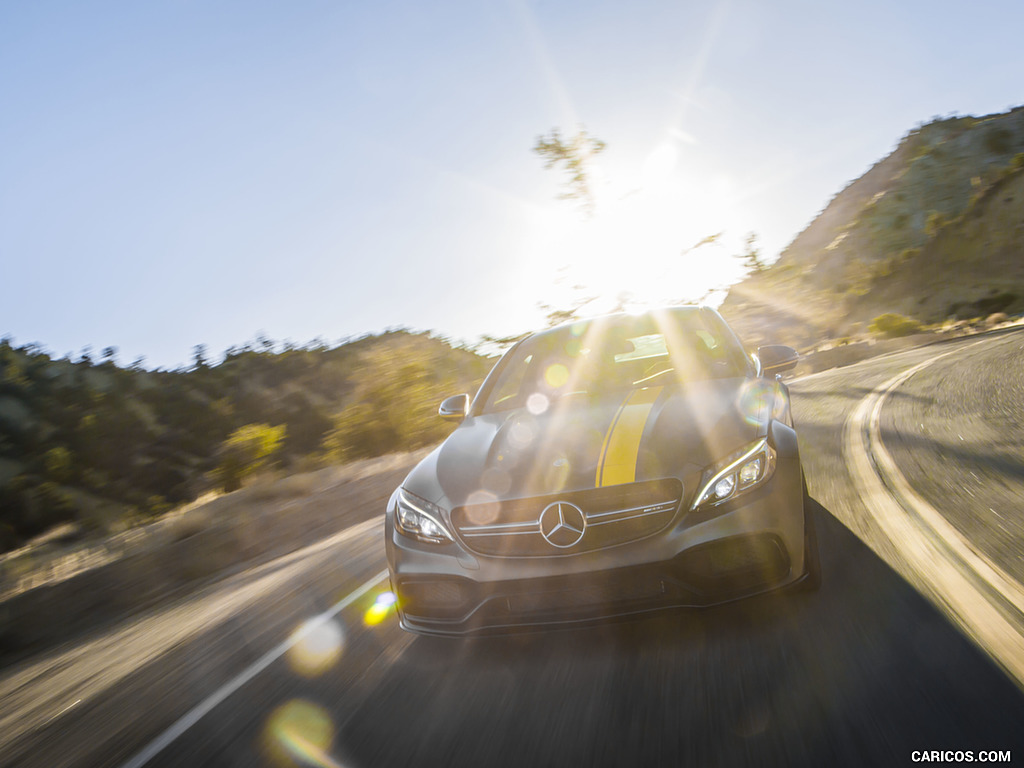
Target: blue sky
column 182, row 173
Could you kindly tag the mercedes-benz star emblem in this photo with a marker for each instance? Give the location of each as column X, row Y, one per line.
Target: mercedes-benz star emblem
column 562, row 524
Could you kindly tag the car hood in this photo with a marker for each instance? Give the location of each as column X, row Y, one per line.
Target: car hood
column 581, row 442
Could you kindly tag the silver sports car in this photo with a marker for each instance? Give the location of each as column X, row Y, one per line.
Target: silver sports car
column 606, row 467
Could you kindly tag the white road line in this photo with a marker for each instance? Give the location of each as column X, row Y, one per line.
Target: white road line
column 199, row 711
column 915, row 527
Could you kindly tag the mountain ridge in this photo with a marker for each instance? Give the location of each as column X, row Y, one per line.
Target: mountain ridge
column 932, row 231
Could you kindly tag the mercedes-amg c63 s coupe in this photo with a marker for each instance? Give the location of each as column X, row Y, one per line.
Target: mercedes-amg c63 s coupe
column 606, row 467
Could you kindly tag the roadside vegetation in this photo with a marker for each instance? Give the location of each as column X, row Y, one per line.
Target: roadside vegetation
column 98, row 447
column 929, row 236
column 892, row 326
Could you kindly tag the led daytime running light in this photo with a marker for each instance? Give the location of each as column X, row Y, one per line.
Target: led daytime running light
column 707, row 491
column 417, row 507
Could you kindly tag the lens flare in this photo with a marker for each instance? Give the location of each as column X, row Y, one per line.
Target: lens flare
column 318, row 648
column 537, row 403
column 482, row 507
column 380, row 609
column 754, row 400
column 299, row 733
column 496, row 480
column 520, row 435
column 481, row 497
column 556, row 375
column 556, row 475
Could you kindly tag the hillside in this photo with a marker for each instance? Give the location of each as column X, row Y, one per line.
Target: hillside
column 104, row 446
column 934, row 230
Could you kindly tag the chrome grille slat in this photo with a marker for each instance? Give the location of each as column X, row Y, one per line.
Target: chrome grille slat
column 498, row 526
column 651, row 507
column 629, row 517
column 495, row 529
column 614, row 515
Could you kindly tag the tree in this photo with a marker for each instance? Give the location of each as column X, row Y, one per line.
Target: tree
column 58, row 464
column 559, row 316
column 574, row 155
column 499, row 342
column 751, row 255
column 199, row 360
column 709, row 240
column 265, row 342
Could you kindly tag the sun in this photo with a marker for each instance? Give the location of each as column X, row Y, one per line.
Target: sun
column 638, row 244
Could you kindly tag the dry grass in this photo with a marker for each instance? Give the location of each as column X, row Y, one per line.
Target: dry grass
column 236, row 522
column 95, row 582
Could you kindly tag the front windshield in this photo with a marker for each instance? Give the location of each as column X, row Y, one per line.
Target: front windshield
column 609, row 355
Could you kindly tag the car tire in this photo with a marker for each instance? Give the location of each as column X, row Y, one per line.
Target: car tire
column 811, row 580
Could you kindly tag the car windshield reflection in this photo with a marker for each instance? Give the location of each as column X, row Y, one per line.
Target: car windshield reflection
column 594, row 358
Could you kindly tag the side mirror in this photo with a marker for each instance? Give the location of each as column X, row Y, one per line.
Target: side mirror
column 776, row 358
column 454, row 408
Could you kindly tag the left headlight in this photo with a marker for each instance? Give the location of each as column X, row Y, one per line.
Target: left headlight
column 419, row 519
column 738, row 473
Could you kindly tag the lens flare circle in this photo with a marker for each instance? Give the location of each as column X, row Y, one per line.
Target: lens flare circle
column 482, row 507
column 319, row 646
column 299, row 733
column 556, row 375
column 380, row 610
column 537, row 403
column 556, row 475
column 521, row 435
column 496, row 480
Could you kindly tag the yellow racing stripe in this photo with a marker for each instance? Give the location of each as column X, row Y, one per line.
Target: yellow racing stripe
column 622, row 443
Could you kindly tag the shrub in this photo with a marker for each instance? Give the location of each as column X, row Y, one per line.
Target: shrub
column 998, row 141
column 997, row 303
column 936, row 221
column 247, row 450
column 892, row 325
column 156, row 505
column 58, row 464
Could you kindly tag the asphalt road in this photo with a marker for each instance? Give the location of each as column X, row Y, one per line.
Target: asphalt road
column 874, row 666
column 958, row 439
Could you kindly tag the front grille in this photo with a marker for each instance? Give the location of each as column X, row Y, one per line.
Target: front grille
column 613, row 515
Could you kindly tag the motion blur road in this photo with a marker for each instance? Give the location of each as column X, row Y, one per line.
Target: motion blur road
column 913, row 642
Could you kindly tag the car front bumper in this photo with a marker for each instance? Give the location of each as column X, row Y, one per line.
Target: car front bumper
column 748, row 546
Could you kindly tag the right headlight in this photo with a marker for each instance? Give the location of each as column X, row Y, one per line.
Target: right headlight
column 419, row 519
column 736, row 474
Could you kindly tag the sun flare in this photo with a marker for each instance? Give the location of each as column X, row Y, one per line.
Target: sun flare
column 636, row 250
